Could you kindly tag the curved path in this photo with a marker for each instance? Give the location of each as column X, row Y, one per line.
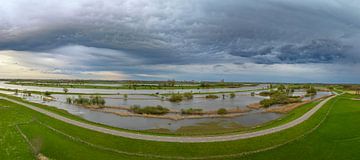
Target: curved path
column 220, row 138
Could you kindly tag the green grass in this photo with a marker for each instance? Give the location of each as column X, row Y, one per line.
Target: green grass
column 337, row 138
column 12, row 145
column 58, row 146
column 204, row 129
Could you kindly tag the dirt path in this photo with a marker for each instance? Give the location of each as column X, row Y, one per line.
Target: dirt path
column 199, row 139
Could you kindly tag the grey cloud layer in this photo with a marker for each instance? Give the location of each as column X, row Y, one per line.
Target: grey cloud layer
column 116, row 35
column 179, row 31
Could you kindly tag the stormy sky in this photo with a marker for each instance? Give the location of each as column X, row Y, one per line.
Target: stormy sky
column 235, row 40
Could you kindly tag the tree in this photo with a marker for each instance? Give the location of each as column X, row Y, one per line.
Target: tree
column 47, row 93
column 252, row 93
column 188, row 95
column 281, row 88
column 66, row 90
column 232, row 95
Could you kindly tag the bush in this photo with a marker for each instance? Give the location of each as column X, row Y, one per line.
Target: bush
column 65, row 90
column 192, row 111
column 176, row 98
column 311, row 90
column 156, row 110
column 279, row 98
column 188, row 95
column 252, row 93
column 232, row 95
column 93, row 100
column 222, row 111
column 211, row 96
column 266, row 93
column 47, row 93
column 69, row 100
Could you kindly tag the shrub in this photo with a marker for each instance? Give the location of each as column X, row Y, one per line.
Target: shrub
column 176, row 98
column 222, row 111
column 156, row 110
column 211, row 96
column 279, row 98
column 192, row 111
column 188, row 95
column 232, row 95
column 69, row 100
column 265, row 93
column 311, row 90
column 65, row 90
column 93, row 100
column 47, row 93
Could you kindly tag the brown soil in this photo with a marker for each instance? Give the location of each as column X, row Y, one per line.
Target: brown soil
column 289, row 107
column 254, row 106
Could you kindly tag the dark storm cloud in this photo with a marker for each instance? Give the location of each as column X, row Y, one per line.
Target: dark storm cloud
column 315, row 51
column 119, row 34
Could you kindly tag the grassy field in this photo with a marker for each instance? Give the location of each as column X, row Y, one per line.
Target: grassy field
column 205, row 129
column 58, row 140
column 337, row 138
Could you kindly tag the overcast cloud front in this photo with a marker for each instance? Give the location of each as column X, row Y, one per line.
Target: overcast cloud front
column 235, row 40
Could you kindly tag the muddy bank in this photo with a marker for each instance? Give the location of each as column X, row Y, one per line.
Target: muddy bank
column 289, row 107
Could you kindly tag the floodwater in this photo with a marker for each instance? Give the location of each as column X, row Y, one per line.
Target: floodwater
column 252, row 118
column 249, row 119
column 319, row 94
column 126, row 91
column 241, row 100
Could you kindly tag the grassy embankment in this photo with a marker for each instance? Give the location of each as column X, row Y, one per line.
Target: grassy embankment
column 59, row 140
column 337, row 138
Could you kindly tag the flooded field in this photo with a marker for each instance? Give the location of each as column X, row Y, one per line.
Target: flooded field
column 252, row 118
column 241, row 100
column 127, row 91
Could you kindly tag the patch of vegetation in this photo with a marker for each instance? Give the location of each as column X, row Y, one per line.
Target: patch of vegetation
column 188, row 95
column 47, row 94
column 176, row 97
column 65, row 90
column 232, row 95
column 252, row 93
column 192, row 111
column 267, row 93
column 311, row 92
column 211, row 96
column 222, row 111
column 279, row 98
column 93, row 100
column 155, row 110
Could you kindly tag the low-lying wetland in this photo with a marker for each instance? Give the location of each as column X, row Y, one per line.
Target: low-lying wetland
column 230, row 111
